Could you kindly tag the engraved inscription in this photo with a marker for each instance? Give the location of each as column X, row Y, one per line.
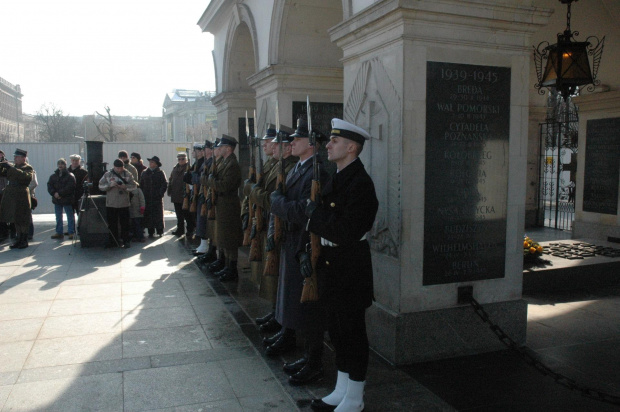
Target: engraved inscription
column 466, row 179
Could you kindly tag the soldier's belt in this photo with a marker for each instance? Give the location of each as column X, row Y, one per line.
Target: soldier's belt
column 327, row 243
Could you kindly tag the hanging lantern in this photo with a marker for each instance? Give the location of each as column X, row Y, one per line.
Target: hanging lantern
column 567, row 62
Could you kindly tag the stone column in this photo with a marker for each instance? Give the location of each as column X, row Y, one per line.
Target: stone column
column 411, row 69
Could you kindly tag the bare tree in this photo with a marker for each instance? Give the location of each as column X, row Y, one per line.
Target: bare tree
column 57, row 127
column 106, row 127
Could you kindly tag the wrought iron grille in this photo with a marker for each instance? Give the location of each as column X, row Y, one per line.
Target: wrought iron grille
column 558, row 164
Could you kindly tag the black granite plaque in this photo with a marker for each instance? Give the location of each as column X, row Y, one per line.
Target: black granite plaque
column 322, row 115
column 466, row 173
column 602, row 166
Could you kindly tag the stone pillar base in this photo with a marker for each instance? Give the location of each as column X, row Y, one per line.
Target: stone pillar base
column 445, row 333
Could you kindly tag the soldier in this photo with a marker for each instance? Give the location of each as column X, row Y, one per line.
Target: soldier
column 346, row 213
column 225, row 185
column 16, row 207
column 309, row 317
column 205, row 251
column 260, row 195
column 193, row 179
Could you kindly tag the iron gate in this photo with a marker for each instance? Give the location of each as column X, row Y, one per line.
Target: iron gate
column 558, row 166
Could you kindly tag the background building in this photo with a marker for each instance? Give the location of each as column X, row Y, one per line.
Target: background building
column 189, row 115
column 11, row 127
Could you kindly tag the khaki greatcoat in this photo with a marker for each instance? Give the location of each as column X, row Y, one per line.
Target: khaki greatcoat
column 15, row 207
column 228, row 232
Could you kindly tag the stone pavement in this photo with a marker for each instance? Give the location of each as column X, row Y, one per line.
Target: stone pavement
column 147, row 329
column 144, row 329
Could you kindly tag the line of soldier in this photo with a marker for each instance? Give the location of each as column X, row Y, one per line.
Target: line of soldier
column 279, row 216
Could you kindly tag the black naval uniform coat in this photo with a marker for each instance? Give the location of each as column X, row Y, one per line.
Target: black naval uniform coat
column 348, row 209
column 290, row 313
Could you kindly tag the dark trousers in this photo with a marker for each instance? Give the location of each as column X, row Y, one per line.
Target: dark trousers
column 184, row 217
column 313, row 346
column 347, row 331
column 118, row 216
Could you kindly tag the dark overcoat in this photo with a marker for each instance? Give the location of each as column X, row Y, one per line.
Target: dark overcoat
column 176, row 185
column 290, row 312
column 347, row 212
column 62, row 183
column 202, row 222
column 81, row 176
column 228, row 233
column 15, row 207
column 154, row 185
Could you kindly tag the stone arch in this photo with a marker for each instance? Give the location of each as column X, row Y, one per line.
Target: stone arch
column 299, row 33
column 241, row 55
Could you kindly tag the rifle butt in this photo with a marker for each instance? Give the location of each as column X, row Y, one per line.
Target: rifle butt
column 203, row 209
column 255, row 250
column 272, row 262
column 310, row 292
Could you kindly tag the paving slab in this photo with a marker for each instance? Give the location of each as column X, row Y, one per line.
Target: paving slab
column 83, row 324
column 166, row 340
column 97, row 392
column 75, row 349
column 159, row 318
column 13, row 355
column 66, row 307
column 20, row 330
column 175, row 386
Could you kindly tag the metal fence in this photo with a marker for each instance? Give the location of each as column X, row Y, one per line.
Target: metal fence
column 43, row 157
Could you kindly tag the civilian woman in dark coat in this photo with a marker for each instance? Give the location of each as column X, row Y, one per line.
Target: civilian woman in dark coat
column 154, row 185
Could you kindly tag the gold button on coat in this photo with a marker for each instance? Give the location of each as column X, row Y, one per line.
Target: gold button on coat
column 332, row 204
column 327, row 262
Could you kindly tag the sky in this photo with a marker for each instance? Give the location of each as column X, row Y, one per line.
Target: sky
column 83, row 55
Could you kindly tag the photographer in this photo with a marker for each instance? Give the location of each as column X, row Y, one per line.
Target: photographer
column 117, row 183
column 61, row 186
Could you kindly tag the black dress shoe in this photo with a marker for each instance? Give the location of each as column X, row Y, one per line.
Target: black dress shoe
column 284, row 344
column 216, row 266
column 319, row 405
column 228, row 275
column 308, row 374
column 264, row 319
column 270, row 340
column 272, row 325
column 292, row 368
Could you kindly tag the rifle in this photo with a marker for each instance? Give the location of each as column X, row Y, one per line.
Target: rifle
column 272, row 261
column 280, row 182
column 257, row 212
column 211, row 192
column 203, row 208
column 251, row 178
column 194, row 204
column 188, row 189
column 310, row 292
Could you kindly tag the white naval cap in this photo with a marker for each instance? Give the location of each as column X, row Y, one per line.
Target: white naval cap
column 349, row 130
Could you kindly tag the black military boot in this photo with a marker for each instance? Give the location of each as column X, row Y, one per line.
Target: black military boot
column 218, row 264
column 285, row 343
column 229, row 274
column 271, row 325
column 210, row 256
column 270, row 340
column 264, row 319
column 311, row 372
column 295, row 366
